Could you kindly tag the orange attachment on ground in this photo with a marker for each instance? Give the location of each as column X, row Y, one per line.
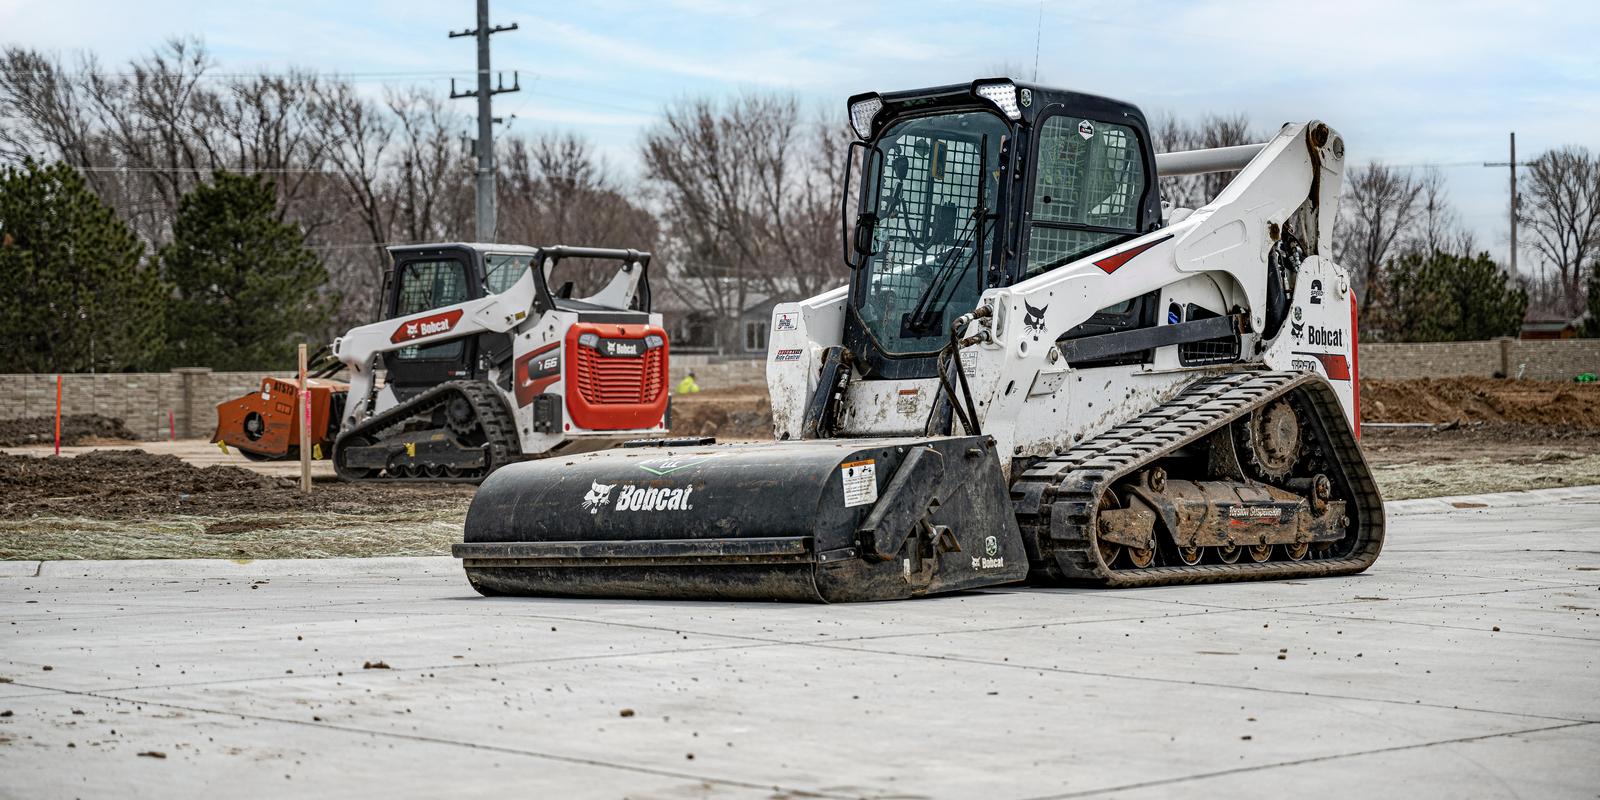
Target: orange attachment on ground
column 263, row 424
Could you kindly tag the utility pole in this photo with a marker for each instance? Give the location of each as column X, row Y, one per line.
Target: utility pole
column 1513, row 164
column 483, row 147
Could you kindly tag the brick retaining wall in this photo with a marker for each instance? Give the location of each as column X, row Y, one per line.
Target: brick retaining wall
column 144, row 400
column 1554, row 360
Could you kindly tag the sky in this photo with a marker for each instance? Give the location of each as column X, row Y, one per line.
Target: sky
column 1406, row 83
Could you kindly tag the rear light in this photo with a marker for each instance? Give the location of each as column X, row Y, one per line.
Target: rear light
column 589, row 340
column 653, row 341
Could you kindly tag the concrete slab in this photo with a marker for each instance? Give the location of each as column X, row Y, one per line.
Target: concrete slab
column 1395, row 683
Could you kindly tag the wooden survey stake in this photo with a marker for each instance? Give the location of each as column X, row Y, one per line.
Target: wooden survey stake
column 305, row 426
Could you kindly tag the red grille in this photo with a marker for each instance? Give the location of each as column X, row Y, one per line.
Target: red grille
column 610, row 389
column 624, row 380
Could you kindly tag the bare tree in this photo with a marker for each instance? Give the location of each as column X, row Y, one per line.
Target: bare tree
column 1375, row 218
column 1437, row 227
column 1562, row 210
column 1213, row 130
column 354, row 173
column 748, row 197
column 554, row 190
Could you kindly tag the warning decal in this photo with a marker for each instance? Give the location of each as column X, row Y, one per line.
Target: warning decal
column 860, row 482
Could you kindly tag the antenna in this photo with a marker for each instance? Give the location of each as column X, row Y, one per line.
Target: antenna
column 1037, row 28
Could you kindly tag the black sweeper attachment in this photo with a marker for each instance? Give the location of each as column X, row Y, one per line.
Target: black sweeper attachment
column 828, row 521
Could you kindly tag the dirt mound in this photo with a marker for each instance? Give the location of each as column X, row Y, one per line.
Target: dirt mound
column 742, row 412
column 1468, row 400
column 76, row 429
column 127, row 483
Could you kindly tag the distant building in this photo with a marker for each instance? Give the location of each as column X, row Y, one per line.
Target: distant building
column 1546, row 327
column 698, row 331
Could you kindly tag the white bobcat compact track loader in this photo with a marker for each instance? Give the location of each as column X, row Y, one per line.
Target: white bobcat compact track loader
column 1036, row 371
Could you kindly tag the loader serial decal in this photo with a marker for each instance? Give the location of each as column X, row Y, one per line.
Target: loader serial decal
column 430, row 325
column 1111, row 263
column 535, row 371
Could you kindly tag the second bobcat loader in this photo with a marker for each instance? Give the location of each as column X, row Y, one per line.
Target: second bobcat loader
column 487, row 358
column 1037, row 371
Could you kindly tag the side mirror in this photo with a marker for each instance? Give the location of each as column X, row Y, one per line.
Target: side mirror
column 857, row 243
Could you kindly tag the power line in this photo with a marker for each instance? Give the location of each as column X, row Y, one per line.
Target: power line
column 236, row 170
column 379, row 76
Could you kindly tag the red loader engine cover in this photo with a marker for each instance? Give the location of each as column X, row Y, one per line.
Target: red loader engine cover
column 617, row 376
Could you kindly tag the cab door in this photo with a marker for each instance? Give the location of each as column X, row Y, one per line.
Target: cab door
column 423, row 282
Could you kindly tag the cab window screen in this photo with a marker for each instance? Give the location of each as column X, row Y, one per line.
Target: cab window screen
column 1090, row 178
column 426, row 285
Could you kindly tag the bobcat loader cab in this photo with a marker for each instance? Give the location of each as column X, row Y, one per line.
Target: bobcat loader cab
column 1036, row 370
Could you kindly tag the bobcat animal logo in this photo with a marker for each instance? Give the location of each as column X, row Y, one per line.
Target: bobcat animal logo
column 598, row 494
column 1033, row 320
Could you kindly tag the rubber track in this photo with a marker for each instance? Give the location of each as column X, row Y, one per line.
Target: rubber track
column 500, row 429
column 1057, row 498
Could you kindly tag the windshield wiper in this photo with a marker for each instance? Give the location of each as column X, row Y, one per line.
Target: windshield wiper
column 930, row 306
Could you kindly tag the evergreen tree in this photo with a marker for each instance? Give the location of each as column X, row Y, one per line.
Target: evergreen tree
column 74, row 296
column 248, row 289
column 1444, row 297
column 1488, row 302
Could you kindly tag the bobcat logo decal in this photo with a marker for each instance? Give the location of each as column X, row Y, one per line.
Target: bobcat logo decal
column 1033, row 321
column 598, row 494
